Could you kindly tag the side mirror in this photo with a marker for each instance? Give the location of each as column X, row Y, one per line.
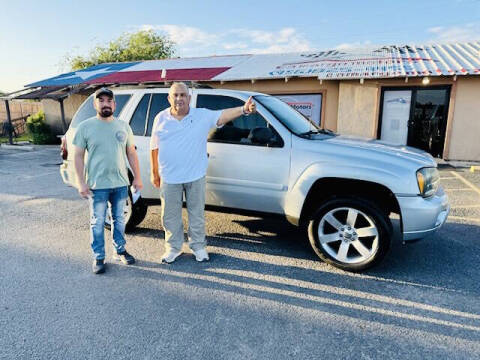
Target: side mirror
column 261, row 136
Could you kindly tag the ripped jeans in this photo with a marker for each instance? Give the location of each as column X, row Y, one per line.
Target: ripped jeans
column 98, row 210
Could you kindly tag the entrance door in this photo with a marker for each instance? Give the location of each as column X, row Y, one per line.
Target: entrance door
column 428, row 122
column 415, row 117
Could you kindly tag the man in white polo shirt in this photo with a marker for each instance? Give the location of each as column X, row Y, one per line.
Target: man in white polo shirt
column 178, row 159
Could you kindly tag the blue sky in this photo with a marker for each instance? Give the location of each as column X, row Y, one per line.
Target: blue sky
column 37, row 35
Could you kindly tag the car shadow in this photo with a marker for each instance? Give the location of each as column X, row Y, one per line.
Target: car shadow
column 426, row 263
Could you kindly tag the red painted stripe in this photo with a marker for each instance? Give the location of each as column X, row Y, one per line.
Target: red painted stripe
column 156, row 75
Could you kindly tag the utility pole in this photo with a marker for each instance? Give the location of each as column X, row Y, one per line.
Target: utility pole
column 9, row 126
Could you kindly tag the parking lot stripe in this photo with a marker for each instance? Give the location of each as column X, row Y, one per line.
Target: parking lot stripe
column 466, row 182
column 459, row 189
column 464, row 218
column 466, row 206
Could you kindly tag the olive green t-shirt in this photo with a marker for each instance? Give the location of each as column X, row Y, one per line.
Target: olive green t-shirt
column 106, row 144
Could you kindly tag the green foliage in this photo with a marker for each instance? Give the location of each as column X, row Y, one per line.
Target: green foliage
column 141, row 45
column 39, row 130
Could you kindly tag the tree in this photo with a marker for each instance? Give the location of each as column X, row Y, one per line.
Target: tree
column 141, row 45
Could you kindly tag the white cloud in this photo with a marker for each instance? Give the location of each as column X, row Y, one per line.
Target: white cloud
column 467, row 32
column 193, row 41
column 236, row 45
column 183, row 35
column 284, row 40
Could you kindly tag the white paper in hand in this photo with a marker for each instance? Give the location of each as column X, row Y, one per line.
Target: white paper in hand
column 135, row 194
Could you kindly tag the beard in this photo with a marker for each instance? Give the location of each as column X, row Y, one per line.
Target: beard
column 106, row 112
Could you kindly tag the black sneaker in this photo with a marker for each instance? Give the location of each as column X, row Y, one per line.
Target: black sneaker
column 125, row 258
column 98, row 266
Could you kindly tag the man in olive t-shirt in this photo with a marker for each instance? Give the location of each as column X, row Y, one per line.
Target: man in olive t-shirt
column 109, row 143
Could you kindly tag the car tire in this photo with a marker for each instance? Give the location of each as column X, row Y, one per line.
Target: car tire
column 350, row 233
column 133, row 215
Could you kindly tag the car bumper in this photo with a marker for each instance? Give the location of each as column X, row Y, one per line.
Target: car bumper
column 68, row 173
column 423, row 216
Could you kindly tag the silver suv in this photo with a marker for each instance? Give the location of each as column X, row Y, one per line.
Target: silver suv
column 276, row 161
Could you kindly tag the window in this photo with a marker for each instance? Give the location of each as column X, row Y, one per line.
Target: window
column 120, row 102
column 295, row 121
column 159, row 102
column 87, row 110
column 309, row 105
column 239, row 130
column 137, row 123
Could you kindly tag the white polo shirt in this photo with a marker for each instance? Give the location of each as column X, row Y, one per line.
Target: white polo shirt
column 182, row 144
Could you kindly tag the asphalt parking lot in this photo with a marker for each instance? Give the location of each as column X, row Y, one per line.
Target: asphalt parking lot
column 263, row 295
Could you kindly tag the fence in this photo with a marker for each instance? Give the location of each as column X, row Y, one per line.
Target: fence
column 18, row 110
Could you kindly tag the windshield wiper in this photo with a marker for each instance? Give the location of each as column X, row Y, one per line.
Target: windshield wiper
column 317, row 131
column 327, row 131
column 309, row 132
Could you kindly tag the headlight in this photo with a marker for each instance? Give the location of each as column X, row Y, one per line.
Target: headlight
column 428, row 180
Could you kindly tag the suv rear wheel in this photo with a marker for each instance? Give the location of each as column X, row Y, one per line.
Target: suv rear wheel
column 134, row 215
column 350, row 233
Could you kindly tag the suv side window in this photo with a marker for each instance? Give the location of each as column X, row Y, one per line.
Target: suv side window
column 239, row 130
column 137, row 123
column 159, row 103
column 87, row 110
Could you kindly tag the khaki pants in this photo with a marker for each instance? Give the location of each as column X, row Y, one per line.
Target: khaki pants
column 171, row 196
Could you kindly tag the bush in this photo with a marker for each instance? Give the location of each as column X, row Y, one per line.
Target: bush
column 39, row 130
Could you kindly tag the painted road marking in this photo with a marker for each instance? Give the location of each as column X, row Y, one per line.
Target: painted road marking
column 466, row 182
column 459, row 189
column 463, row 218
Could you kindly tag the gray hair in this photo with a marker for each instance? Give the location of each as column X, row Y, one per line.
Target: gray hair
column 181, row 84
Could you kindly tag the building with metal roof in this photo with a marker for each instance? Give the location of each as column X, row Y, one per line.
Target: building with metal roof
column 384, row 62
column 425, row 96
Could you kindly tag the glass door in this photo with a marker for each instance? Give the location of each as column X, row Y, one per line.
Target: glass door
column 428, row 122
column 415, row 116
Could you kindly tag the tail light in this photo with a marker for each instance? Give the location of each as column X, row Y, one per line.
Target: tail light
column 63, row 148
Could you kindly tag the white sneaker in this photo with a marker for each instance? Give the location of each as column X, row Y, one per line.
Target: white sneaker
column 201, row 255
column 170, row 256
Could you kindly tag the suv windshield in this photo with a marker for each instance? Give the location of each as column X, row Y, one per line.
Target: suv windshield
column 87, row 111
column 288, row 116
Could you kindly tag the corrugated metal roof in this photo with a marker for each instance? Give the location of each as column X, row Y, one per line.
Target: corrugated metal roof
column 384, row 62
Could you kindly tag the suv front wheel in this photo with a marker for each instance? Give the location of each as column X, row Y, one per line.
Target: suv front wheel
column 350, row 233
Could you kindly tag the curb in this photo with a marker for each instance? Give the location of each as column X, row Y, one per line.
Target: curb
column 20, row 147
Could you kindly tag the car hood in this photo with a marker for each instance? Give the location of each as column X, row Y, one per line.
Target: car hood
column 421, row 157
